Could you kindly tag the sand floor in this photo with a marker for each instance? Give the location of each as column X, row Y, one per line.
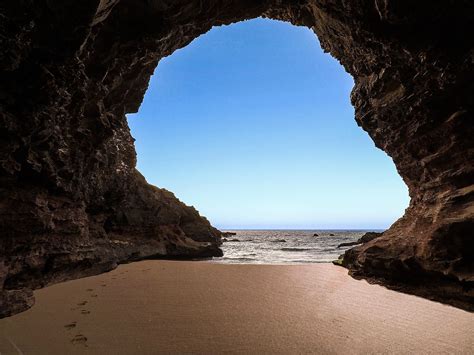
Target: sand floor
column 180, row 307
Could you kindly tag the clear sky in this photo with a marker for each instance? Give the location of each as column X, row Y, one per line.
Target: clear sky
column 252, row 124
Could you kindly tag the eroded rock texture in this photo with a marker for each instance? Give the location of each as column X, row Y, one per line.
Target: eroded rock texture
column 72, row 203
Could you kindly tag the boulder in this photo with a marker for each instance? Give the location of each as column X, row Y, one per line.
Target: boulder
column 367, row 237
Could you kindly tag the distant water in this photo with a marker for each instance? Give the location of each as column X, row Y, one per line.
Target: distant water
column 286, row 246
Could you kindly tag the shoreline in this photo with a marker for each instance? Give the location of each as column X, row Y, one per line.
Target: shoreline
column 204, row 307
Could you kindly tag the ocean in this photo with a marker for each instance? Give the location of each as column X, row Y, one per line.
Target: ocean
column 286, row 246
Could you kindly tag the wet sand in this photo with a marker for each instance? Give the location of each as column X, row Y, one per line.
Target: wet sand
column 185, row 307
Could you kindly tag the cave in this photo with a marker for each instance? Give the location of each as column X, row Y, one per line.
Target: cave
column 73, row 204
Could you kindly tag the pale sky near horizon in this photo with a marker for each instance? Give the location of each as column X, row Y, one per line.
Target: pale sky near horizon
column 252, row 124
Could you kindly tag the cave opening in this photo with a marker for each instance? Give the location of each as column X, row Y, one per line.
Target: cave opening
column 252, row 124
column 73, row 203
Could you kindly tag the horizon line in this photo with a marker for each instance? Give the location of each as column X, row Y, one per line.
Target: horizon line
column 304, row 229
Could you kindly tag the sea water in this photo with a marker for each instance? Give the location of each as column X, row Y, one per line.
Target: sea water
column 286, row 246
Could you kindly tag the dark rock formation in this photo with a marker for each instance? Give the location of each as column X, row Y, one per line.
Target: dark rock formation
column 349, row 244
column 228, row 234
column 315, row 235
column 367, row 237
column 72, row 203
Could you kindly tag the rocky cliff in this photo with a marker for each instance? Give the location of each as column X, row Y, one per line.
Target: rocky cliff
column 72, row 203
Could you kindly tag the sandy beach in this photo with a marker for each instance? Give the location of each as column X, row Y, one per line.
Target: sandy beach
column 185, row 307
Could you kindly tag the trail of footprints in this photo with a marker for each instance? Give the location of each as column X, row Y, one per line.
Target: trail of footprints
column 80, row 339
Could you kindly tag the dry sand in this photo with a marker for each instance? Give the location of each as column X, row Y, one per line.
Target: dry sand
column 206, row 308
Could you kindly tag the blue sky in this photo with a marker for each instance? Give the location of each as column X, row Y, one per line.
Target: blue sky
column 252, row 124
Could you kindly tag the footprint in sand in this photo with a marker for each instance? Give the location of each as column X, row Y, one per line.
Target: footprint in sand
column 79, row 339
column 70, row 325
column 82, row 303
column 85, row 311
column 94, row 295
column 103, row 285
column 90, row 290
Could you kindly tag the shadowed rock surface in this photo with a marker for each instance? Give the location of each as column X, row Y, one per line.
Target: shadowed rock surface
column 72, row 203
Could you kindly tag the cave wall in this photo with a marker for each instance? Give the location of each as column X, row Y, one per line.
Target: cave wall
column 72, row 203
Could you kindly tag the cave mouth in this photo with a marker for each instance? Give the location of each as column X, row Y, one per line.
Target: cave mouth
column 252, row 124
column 74, row 205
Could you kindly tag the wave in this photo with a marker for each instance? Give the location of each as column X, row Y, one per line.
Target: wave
column 296, row 249
column 239, row 259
